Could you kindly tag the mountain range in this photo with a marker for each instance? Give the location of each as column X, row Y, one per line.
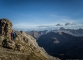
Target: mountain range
column 62, row 43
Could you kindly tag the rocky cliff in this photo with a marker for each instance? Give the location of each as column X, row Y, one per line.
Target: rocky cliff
column 23, row 47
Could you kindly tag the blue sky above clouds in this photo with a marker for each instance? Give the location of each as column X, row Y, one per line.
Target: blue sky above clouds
column 42, row 14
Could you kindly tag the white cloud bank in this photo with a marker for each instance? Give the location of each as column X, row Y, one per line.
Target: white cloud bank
column 29, row 26
column 59, row 24
column 69, row 23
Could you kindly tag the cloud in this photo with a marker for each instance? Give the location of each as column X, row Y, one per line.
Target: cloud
column 59, row 24
column 43, row 26
column 69, row 23
column 77, row 26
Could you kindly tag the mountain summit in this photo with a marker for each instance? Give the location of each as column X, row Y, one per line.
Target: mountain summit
column 20, row 47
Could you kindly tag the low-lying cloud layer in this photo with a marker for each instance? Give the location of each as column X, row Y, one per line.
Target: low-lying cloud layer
column 43, row 26
column 29, row 26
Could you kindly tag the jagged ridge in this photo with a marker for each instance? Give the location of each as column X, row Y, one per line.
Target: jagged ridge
column 24, row 47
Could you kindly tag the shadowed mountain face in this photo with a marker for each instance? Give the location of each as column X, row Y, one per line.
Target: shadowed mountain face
column 62, row 45
column 37, row 34
column 23, row 47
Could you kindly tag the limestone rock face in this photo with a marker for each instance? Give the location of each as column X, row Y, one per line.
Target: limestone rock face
column 5, row 27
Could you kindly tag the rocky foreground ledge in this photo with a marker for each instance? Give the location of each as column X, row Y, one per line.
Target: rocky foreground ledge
column 24, row 47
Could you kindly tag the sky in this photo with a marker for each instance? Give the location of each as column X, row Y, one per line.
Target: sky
column 43, row 14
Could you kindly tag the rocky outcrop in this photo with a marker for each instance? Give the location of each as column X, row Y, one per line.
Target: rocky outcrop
column 19, row 47
column 24, row 44
column 8, row 44
column 5, row 28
